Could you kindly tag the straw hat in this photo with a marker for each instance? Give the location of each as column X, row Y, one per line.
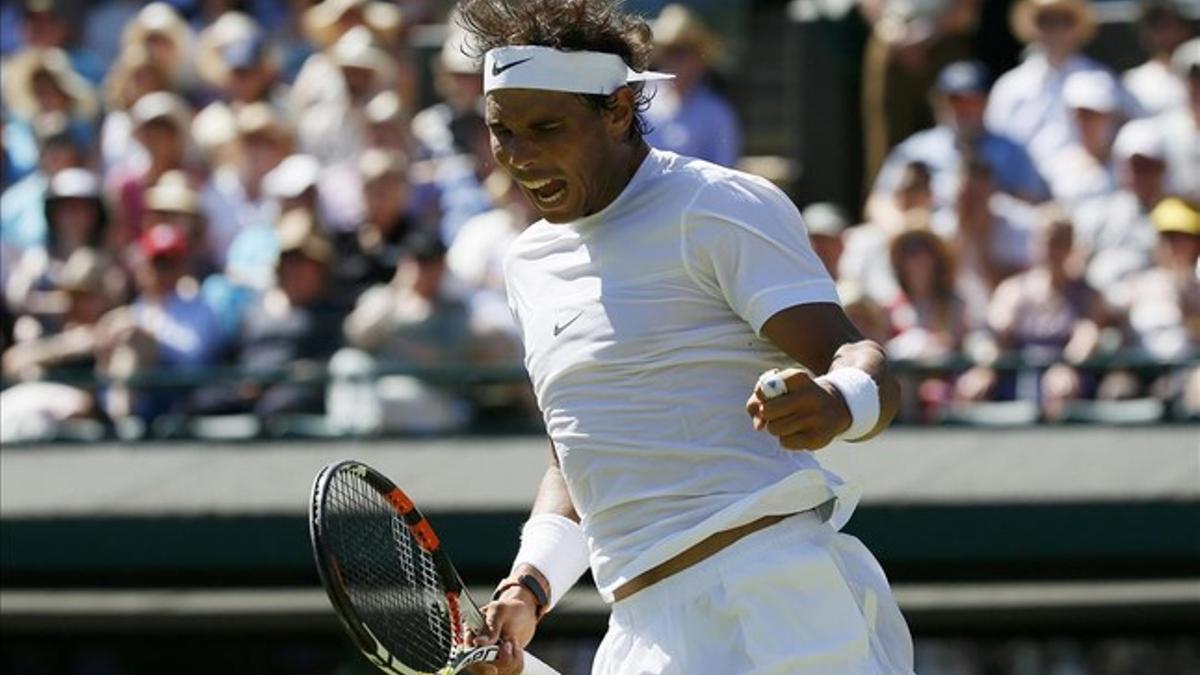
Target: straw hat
column 19, row 74
column 1025, row 14
column 234, row 40
column 173, row 194
column 159, row 18
column 320, row 22
column 162, row 105
column 297, row 231
column 357, row 49
column 261, row 118
column 678, row 26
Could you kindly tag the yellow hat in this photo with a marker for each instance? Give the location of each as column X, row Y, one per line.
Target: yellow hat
column 1176, row 215
column 1025, row 14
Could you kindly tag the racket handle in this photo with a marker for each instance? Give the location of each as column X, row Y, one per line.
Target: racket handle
column 534, row 666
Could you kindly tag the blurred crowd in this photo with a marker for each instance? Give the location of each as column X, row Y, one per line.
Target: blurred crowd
column 223, row 207
column 1051, row 214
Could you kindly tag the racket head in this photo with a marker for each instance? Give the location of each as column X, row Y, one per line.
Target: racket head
column 387, row 577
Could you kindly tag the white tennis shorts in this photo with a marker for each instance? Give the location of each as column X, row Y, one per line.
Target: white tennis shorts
column 795, row 598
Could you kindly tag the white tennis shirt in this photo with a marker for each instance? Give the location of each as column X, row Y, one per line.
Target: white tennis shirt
column 641, row 329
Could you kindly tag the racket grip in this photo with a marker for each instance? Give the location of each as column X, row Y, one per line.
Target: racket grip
column 534, row 666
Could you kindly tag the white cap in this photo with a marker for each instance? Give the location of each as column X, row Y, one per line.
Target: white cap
column 1186, row 57
column 74, row 182
column 1091, row 90
column 1140, row 137
column 292, row 177
column 549, row 69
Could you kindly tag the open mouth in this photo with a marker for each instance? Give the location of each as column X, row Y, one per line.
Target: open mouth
column 547, row 193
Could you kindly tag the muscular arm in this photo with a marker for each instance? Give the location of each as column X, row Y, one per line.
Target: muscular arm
column 822, row 338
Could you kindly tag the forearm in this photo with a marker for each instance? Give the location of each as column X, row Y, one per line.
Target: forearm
column 870, row 357
column 553, row 551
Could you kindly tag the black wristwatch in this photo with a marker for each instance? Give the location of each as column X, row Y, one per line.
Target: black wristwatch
column 530, row 583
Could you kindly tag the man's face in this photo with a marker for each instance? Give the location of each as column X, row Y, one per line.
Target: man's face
column 1056, row 30
column 164, row 141
column 565, row 155
column 966, row 112
column 1179, row 251
column 1096, row 130
column 1146, row 176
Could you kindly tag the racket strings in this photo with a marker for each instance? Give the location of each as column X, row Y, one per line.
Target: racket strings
column 390, row 580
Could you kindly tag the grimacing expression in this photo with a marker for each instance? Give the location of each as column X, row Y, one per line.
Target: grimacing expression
column 566, row 156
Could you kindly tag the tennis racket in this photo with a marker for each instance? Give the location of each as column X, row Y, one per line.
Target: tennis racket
column 390, row 582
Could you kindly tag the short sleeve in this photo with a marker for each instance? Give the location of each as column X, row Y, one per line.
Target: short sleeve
column 744, row 242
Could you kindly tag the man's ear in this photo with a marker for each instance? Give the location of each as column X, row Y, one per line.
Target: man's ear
column 620, row 116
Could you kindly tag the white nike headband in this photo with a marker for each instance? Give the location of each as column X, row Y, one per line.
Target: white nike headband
column 549, row 69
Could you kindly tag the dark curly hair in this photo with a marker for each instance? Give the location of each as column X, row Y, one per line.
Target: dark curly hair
column 567, row 25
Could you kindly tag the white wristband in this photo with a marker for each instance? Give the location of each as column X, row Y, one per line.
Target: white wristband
column 862, row 398
column 556, row 546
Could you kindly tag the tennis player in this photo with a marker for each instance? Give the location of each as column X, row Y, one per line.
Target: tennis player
column 651, row 295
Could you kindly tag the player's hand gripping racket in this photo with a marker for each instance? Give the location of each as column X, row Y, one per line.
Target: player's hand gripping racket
column 389, row 580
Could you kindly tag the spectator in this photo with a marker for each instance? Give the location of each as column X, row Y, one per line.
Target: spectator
column 959, row 100
column 928, row 317
column 459, row 84
column 412, row 321
column 909, row 43
column 826, row 223
column 1027, row 103
column 1083, row 169
column 168, row 38
column 325, row 24
column 20, row 151
column 476, row 259
column 172, row 201
column 134, row 75
column 867, row 244
column 1047, row 312
column 292, row 329
column 1163, row 303
column 991, row 234
column 168, row 326
column 334, row 129
column 1162, row 28
column 161, row 122
column 23, row 205
column 1182, row 127
column 388, row 124
column 33, row 409
column 76, row 218
column 85, row 282
column 41, row 81
column 1115, row 230
column 369, row 255
column 687, row 115
column 237, row 63
column 234, row 197
column 1163, row 306
column 294, row 184
column 46, row 24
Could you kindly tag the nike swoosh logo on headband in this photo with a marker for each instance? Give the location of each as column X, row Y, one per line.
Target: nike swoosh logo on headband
column 497, row 68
